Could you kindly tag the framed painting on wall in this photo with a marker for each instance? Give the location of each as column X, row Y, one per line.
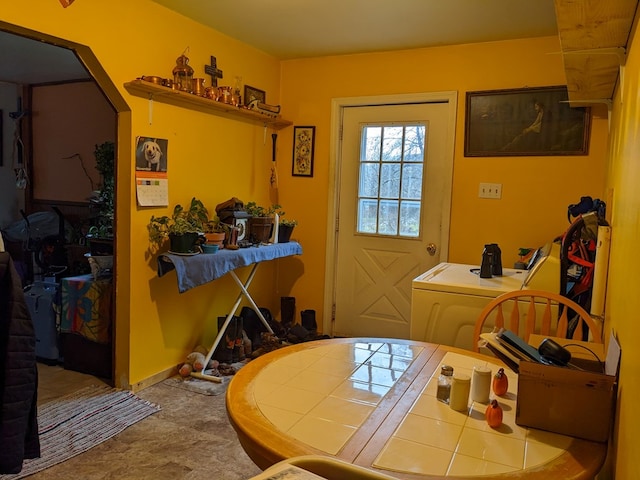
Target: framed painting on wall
column 303, row 145
column 527, row 121
column 252, row 93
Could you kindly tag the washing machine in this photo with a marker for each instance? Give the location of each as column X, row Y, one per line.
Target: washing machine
column 447, row 300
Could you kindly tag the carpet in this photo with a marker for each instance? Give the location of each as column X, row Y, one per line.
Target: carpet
column 73, row 424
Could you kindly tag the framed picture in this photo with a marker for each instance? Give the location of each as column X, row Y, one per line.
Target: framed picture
column 303, row 144
column 251, row 94
column 528, row 121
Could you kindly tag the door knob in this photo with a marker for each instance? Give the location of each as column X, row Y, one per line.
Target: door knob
column 431, row 249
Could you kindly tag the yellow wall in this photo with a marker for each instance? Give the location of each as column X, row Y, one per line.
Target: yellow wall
column 210, row 157
column 623, row 302
column 536, row 190
column 215, row 158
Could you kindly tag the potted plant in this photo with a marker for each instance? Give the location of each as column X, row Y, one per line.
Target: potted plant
column 214, row 232
column 101, row 203
column 182, row 228
column 260, row 222
column 285, row 229
column 285, row 225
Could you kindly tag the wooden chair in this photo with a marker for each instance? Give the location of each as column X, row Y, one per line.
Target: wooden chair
column 530, row 302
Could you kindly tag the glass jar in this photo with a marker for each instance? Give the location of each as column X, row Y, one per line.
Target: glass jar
column 444, row 383
column 183, row 74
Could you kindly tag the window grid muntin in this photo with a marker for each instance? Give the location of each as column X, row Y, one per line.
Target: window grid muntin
column 374, row 200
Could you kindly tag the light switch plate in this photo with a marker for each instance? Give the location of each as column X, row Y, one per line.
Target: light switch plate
column 490, row 190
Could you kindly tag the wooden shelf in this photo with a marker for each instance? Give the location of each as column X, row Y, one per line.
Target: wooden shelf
column 593, row 38
column 167, row 95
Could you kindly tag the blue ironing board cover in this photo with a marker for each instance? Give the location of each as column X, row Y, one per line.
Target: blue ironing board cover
column 195, row 270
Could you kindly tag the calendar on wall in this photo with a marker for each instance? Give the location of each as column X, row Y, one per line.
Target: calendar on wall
column 152, row 183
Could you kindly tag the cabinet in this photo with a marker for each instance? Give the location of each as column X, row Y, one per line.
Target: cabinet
column 167, row 95
column 593, row 38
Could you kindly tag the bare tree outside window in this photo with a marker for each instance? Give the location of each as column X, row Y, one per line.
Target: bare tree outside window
column 390, row 179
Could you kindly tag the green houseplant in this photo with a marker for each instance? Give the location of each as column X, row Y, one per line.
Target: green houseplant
column 102, row 202
column 215, row 232
column 182, row 228
column 285, row 225
column 260, row 223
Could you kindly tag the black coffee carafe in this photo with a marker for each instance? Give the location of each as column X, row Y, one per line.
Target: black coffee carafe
column 487, row 262
column 496, row 265
column 491, row 261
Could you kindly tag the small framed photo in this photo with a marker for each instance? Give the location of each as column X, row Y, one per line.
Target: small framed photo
column 303, row 145
column 252, row 93
column 526, row 121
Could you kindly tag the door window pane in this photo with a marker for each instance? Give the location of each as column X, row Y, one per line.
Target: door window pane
column 369, row 177
column 392, row 144
column 367, row 216
column 371, row 144
column 412, row 181
column 390, row 179
column 388, row 217
column 410, row 215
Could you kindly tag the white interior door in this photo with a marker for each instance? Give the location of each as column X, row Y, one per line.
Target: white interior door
column 394, row 201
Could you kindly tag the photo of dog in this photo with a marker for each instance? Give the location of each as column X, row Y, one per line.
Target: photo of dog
column 151, row 154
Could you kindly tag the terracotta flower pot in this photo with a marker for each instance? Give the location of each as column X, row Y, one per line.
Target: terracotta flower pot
column 216, row 238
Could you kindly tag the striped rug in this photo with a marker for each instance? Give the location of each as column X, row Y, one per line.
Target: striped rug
column 73, row 424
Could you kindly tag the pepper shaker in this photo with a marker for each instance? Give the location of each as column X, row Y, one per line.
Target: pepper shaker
column 444, row 383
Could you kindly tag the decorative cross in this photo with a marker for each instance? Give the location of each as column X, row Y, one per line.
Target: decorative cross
column 213, row 71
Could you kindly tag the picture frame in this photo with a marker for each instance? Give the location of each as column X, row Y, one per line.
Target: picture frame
column 304, row 138
column 526, row 121
column 252, row 93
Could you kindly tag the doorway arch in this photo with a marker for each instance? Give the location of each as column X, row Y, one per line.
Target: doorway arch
column 91, row 64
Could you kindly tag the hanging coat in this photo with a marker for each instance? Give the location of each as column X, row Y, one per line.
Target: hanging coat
column 18, row 375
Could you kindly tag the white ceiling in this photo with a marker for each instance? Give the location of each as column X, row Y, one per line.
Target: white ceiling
column 306, row 28
column 27, row 61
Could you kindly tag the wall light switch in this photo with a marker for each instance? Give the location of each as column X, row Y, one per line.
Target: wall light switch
column 490, row 190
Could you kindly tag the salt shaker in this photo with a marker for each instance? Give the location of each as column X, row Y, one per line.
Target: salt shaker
column 460, row 387
column 481, row 384
column 444, row 383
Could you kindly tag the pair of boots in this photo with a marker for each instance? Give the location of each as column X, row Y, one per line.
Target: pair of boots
column 288, row 315
column 231, row 348
column 306, row 330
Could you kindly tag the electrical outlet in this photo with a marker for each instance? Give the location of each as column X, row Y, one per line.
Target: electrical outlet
column 490, row 190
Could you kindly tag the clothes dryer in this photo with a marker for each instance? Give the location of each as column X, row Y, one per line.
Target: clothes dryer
column 447, row 300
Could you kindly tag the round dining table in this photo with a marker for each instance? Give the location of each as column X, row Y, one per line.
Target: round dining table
column 371, row 402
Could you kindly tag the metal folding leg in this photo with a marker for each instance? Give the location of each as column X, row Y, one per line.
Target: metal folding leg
column 244, row 292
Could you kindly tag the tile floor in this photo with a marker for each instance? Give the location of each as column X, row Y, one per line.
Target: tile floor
column 333, row 389
column 190, row 438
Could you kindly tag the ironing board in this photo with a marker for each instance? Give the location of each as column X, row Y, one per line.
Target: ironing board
column 195, row 270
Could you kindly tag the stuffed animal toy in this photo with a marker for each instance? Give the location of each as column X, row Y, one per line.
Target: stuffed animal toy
column 195, row 362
